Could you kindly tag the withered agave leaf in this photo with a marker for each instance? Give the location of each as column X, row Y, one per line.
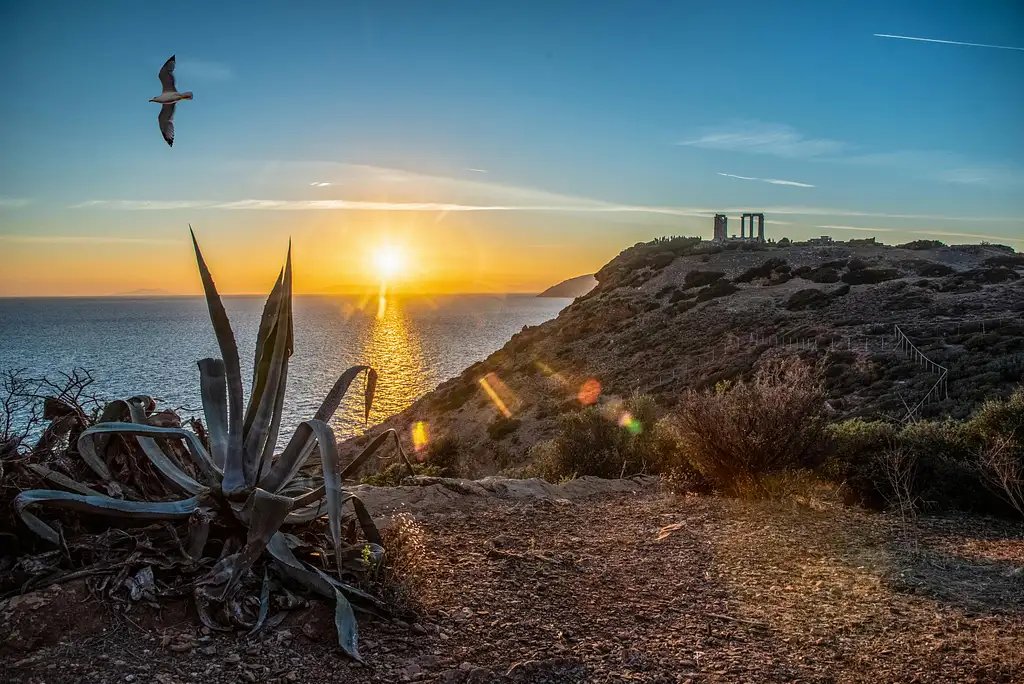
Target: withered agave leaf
column 87, row 448
column 97, row 505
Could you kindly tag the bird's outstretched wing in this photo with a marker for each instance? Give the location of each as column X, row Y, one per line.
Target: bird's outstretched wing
column 167, row 76
column 166, row 120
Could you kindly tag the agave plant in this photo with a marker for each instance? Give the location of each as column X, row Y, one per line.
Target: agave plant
column 232, row 478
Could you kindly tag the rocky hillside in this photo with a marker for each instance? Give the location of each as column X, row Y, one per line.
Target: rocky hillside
column 677, row 314
column 572, row 288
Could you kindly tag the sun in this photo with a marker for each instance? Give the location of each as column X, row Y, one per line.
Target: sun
column 389, row 262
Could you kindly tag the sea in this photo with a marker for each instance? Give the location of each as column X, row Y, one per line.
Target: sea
column 150, row 345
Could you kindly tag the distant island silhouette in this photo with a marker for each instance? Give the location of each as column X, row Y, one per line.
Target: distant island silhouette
column 145, row 292
column 573, row 287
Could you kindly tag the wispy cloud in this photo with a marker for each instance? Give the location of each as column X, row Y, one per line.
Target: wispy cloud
column 759, row 137
column 947, row 42
column 14, row 202
column 319, row 185
column 478, row 170
column 773, row 181
column 784, row 141
column 131, row 205
column 202, row 70
column 83, row 239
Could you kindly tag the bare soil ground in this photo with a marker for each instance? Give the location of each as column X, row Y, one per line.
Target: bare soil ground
column 642, row 586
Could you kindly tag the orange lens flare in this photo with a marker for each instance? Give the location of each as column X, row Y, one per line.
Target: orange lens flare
column 589, row 392
column 419, row 436
column 493, row 385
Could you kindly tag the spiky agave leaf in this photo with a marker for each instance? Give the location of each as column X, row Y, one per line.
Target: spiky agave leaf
column 304, row 509
column 234, row 483
column 301, row 445
column 267, row 401
column 98, row 505
column 213, row 390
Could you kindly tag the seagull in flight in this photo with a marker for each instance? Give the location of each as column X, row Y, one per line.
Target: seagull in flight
column 168, row 98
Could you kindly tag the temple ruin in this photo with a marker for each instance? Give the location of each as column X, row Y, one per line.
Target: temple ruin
column 747, row 223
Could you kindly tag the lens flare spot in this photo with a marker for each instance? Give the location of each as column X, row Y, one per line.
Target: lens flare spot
column 589, row 392
column 626, row 420
column 419, row 436
column 493, row 385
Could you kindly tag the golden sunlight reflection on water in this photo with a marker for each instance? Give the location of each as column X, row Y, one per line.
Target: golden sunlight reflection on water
column 393, row 348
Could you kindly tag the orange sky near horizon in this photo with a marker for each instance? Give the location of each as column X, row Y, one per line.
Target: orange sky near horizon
column 448, row 256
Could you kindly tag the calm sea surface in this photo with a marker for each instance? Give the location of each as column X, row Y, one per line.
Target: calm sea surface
column 151, row 345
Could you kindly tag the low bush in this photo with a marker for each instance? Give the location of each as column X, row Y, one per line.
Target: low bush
column 701, row 278
column 722, row 288
column 869, row 276
column 972, row 465
column 613, row 439
column 762, row 271
column 501, row 427
column 738, row 433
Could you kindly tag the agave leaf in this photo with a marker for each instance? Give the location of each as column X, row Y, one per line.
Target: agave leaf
column 171, row 470
column 266, row 323
column 300, row 446
column 234, row 475
column 345, row 595
column 265, row 341
column 268, row 512
column 371, row 389
column 99, row 505
column 87, row 448
column 314, row 495
column 114, row 412
column 304, row 515
column 273, row 377
column 213, row 388
column 332, row 485
column 261, row 617
column 62, row 481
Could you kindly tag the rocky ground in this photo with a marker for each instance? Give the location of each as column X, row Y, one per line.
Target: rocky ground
column 576, row 585
column 665, row 319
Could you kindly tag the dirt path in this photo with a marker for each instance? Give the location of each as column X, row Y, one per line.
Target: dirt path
column 623, row 587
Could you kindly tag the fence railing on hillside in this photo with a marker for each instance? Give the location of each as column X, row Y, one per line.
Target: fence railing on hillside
column 938, row 391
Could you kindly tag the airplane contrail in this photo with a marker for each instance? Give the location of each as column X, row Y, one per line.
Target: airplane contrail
column 948, row 42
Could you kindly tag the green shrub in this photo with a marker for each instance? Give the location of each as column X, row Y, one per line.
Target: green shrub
column 953, row 460
column 700, row 278
column 722, row 288
column 611, row 440
column 501, row 427
column 869, row 276
column 763, row 271
column 442, row 459
column 922, row 244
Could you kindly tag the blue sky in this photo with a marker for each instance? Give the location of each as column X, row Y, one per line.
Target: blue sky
column 573, row 127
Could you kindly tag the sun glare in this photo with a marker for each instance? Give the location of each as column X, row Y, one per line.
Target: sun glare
column 389, row 262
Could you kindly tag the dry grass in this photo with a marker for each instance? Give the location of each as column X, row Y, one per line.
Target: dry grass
column 401, row 581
